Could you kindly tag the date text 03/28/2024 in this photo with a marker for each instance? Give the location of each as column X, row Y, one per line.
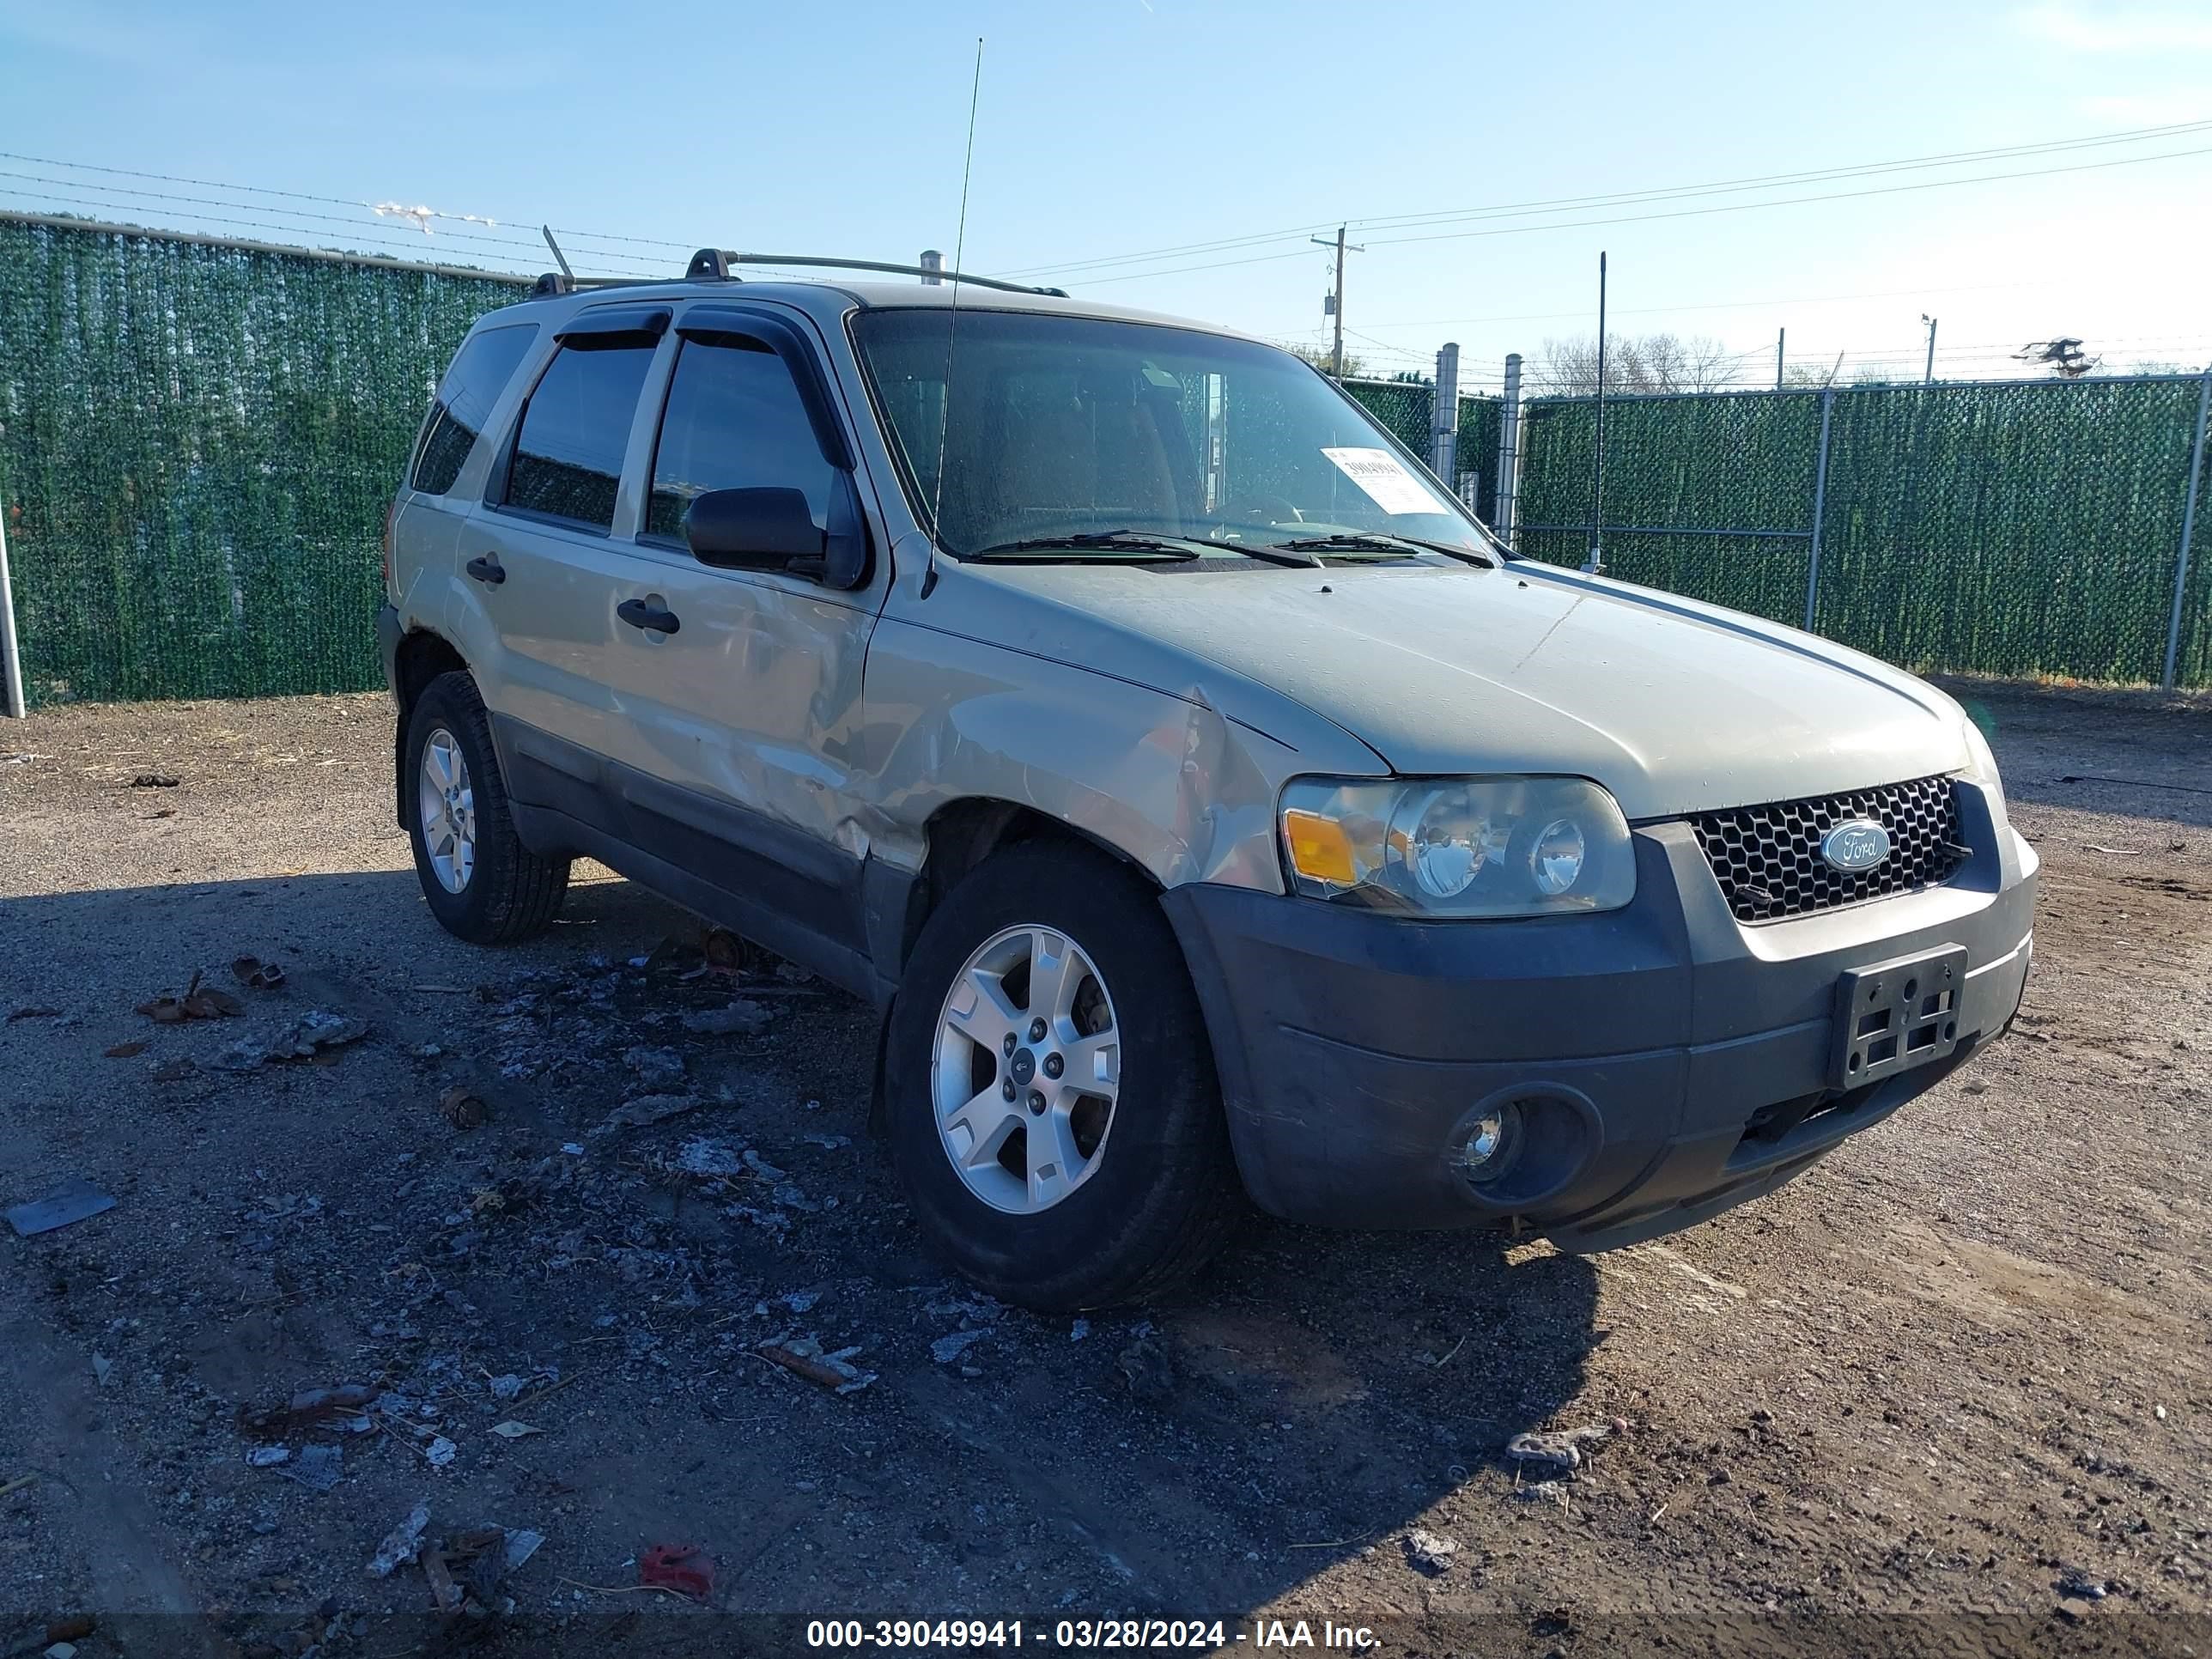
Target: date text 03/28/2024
column 1104, row 1634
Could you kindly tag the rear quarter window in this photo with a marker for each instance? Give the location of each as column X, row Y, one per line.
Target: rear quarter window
column 466, row 397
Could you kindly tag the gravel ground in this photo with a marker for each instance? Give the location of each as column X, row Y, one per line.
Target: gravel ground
column 1957, row 1373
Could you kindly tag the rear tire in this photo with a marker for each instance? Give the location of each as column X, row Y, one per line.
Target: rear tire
column 1106, row 1176
column 480, row 882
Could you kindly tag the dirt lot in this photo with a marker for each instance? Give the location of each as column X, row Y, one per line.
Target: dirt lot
column 1949, row 1391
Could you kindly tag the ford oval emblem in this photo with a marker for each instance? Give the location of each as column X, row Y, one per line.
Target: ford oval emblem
column 1855, row 845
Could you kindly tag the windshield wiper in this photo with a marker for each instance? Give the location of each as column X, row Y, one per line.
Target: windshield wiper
column 1353, row 540
column 1111, row 541
column 1177, row 548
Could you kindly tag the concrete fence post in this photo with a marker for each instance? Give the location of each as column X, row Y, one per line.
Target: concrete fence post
column 1443, row 416
column 2181, row 564
column 1501, row 513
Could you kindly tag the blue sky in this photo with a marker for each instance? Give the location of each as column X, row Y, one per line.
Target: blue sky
column 1113, row 127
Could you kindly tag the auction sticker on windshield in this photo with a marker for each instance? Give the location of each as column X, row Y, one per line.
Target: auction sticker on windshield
column 1386, row 480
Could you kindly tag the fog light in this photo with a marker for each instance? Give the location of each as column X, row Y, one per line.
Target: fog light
column 1488, row 1144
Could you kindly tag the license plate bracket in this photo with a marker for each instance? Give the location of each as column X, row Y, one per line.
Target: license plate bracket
column 1893, row 1016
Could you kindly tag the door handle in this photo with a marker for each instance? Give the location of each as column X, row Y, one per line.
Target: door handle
column 487, row 569
column 655, row 619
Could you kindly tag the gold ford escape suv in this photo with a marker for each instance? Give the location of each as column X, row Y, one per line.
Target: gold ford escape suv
column 1204, row 798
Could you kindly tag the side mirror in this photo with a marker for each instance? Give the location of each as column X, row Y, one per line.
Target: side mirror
column 774, row 528
column 752, row 529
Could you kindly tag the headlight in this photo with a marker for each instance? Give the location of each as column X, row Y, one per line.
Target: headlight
column 1458, row 847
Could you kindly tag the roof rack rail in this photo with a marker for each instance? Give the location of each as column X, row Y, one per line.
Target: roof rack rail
column 714, row 263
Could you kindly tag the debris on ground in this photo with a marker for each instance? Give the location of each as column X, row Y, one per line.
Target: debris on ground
column 684, row 1568
column 645, row 1109
column 946, row 1349
column 311, row 1035
column 18, row 1484
column 511, row 1429
column 739, row 1018
column 656, row 1068
column 509, row 1386
column 317, row 1467
column 343, row 1409
column 125, row 1051
column 401, row 1543
column 463, row 1108
column 444, row 1594
column 259, row 975
column 1543, row 1492
column 1079, row 1329
column 1429, row 1552
column 1563, row 1447
column 2077, row 1585
column 804, row 1356
column 1149, row 1373
column 174, row 1071
column 39, row 1011
column 265, row 1458
column 440, row 1452
column 155, row 780
column 702, row 1156
column 198, row 1002
column 314, row 1031
column 75, row 1201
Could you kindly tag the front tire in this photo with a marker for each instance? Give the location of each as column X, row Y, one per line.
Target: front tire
column 1054, row 1111
column 482, row 883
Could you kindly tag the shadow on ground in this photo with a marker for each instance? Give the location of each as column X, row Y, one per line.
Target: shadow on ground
column 321, row 1222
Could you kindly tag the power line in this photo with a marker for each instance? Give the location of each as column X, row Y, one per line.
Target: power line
column 1620, row 198
column 1685, row 213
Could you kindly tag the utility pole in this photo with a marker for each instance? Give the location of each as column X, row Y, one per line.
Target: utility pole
column 1780, row 335
column 1929, row 378
column 1336, row 300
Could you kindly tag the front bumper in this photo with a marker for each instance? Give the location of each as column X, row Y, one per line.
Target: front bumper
column 1682, row 1058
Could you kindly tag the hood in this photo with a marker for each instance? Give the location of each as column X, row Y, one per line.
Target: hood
column 1675, row 706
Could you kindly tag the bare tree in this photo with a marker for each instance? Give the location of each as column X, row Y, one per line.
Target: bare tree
column 1636, row 363
column 1321, row 358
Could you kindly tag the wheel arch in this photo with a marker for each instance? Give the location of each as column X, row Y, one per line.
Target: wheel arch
column 421, row 657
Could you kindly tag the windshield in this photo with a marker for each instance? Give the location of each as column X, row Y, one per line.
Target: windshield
column 1075, row 428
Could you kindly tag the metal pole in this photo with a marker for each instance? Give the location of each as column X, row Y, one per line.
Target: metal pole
column 1508, row 452
column 1929, row 377
column 1594, row 564
column 2181, row 565
column 1780, row 335
column 933, row 262
column 1444, row 415
column 11, row 661
column 1820, row 507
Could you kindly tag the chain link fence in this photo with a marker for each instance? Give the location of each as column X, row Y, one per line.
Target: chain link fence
column 198, row 440
column 2015, row 528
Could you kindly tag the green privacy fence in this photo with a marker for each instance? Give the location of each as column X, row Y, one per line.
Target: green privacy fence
column 1405, row 407
column 198, row 440
column 2014, row 528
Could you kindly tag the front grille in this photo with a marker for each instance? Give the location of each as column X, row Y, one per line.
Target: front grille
column 1767, row 858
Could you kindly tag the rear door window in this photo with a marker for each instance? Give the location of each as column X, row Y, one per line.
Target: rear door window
column 479, row 373
column 733, row 421
column 569, row 450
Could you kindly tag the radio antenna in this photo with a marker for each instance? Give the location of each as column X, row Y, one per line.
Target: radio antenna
column 953, row 328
